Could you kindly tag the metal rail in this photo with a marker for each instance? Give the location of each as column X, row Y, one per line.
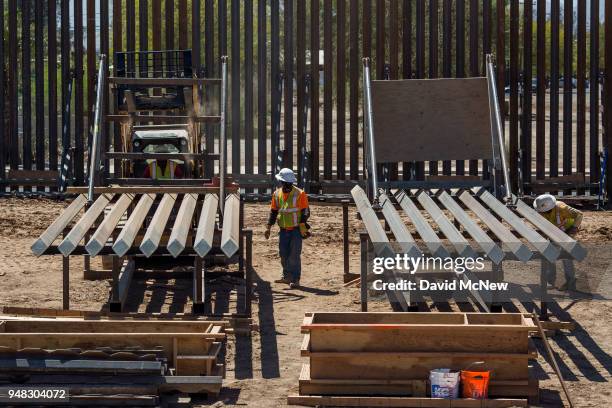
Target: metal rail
column 304, row 170
column 222, row 136
column 278, row 154
column 94, row 159
column 65, row 172
column 369, row 127
column 497, row 129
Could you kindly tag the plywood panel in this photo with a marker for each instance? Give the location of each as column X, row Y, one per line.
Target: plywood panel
column 412, row 366
column 420, row 338
column 431, row 119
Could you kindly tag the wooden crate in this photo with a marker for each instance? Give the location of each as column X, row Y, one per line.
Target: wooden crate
column 191, row 347
column 392, row 353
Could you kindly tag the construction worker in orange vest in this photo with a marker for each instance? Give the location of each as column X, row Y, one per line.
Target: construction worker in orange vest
column 163, row 169
column 567, row 219
column 289, row 208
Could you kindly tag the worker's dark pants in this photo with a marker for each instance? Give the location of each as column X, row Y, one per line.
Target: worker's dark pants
column 568, row 270
column 290, row 250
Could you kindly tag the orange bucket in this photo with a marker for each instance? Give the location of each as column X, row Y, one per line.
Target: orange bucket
column 475, row 384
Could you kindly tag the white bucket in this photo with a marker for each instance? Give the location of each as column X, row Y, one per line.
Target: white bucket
column 444, row 383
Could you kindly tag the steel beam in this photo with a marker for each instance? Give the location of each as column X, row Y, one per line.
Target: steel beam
column 548, row 250
column 132, row 226
column 559, row 237
column 427, row 233
column 182, row 225
column 152, row 237
column 375, row 230
column 206, row 226
column 382, row 247
column 77, row 232
column 55, row 229
column 482, row 239
column 520, row 250
column 230, row 235
column 399, row 229
column 107, row 226
column 448, row 229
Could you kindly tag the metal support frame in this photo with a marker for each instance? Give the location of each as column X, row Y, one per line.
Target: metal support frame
column 66, row 283
column 277, row 154
column 498, row 276
column 115, row 282
column 199, row 286
column 500, row 161
column 369, row 129
column 94, row 158
column 86, row 260
column 602, row 193
column 122, row 274
column 241, row 237
column 494, row 303
column 248, row 277
column 65, row 173
column 222, row 135
column 120, row 284
column 547, row 268
column 364, row 242
column 500, row 158
column 348, row 276
column 493, row 306
column 304, row 175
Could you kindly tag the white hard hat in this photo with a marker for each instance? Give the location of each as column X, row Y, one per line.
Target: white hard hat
column 286, row 175
column 544, row 203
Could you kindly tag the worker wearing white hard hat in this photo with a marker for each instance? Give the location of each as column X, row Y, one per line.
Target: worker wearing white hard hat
column 544, row 203
column 289, row 208
column 286, row 176
column 562, row 215
column 567, row 219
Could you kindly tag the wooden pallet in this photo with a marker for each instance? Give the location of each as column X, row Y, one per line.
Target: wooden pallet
column 390, row 402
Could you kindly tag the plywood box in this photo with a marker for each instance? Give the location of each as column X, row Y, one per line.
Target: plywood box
column 406, row 346
column 191, row 347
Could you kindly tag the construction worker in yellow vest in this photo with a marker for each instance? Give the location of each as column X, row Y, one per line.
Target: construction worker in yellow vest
column 567, row 219
column 163, row 169
column 289, row 208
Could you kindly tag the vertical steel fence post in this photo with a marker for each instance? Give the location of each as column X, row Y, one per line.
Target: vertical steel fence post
column 369, row 127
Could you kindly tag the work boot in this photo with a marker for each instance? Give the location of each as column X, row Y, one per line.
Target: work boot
column 569, row 284
column 283, row 280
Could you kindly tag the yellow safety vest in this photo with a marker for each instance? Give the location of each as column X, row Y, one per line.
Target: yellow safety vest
column 288, row 212
column 562, row 216
column 156, row 172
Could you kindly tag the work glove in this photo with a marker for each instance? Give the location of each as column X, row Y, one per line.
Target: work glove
column 267, row 233
column 304, row 230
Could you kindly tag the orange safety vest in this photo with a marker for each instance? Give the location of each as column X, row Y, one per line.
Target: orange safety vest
column 288, row 211
column 156, row 172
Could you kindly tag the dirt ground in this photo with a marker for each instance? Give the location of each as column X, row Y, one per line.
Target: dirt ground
column 264, row 368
